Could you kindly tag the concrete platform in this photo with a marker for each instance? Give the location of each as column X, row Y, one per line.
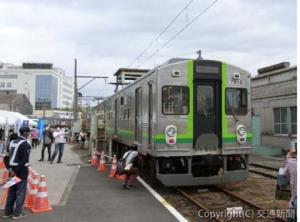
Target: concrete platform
column 94, row 197
column 80, row 193
column 57, row 175
column 275, row 162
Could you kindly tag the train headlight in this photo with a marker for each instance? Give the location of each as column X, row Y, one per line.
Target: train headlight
column 241, row 131
column 241, row 134
column 171, row 133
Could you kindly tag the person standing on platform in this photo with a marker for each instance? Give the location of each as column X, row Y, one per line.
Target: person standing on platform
column 82, row 138
column 59, row 141
column 291, row 174
column 34, row 137
column 131, row 166
column 19, row 151
column 48, row 138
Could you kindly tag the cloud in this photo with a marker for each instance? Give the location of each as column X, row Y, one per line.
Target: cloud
column 107, row 35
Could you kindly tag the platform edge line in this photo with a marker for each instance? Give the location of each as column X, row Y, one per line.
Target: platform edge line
column 171, row 209
column 63, row 200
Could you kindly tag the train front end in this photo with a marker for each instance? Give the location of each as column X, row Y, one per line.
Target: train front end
column 203, row 123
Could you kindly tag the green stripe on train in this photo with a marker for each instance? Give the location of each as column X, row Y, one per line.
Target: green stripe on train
column 178, row 140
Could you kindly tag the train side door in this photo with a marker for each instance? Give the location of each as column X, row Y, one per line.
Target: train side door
column 138, row 115
column 150, row 114
column 116, row 116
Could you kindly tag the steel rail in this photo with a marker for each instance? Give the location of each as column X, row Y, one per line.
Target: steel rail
column 263, row 174
column 197, row 203
column 264, row 167
column 246, row 201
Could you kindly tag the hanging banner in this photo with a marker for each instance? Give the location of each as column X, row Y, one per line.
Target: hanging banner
column 41, row 128
column 18, row 125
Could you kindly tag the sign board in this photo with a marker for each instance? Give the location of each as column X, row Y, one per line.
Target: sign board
column 26, row 123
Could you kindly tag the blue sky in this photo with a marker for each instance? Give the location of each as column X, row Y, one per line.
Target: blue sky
column 107, row 35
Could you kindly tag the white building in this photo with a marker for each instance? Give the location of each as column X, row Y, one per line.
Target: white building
column 45, row 86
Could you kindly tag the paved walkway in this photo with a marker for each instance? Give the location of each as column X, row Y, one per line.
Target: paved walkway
column 57, row 175
column 81, row 193
column 95, row 197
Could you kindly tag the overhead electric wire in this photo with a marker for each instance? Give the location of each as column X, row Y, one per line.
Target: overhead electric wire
column 162, row 32
column 177, row 33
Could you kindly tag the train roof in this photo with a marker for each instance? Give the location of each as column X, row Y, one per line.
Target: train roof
column 149, row 71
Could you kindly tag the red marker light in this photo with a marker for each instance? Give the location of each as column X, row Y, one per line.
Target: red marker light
column 171, row 141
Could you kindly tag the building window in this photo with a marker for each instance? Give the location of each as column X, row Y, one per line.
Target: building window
column 2, row 84
column 294, row 120
column 175, row 100
column 8, row 85
column 280, row 120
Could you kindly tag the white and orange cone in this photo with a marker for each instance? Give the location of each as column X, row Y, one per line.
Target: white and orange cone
column 94, row 161
column 120, row 177
column 2, row 166
column 113, row 169
column 102, row 166
column 42, row 204
column 32, row 191
column 5, row 175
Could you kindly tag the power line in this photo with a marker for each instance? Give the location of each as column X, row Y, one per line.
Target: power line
column 160, row 34
column 177, row 33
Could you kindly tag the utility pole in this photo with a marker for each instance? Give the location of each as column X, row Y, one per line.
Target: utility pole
column 92, row 77
column 75, row 91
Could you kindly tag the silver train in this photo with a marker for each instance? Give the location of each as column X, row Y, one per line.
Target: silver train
column 191, row 121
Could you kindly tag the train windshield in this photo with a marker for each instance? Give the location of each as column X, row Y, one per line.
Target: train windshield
column 175, row 100
column 236, row 101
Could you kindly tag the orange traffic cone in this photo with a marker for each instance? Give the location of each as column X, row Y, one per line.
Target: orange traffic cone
column 41, row 204
column 102, row 166
column 32, row 190
column 3, row 198
column 2, row 166
column 120, row 177
column 29, row 184
column 113, row 169
column 94, row 161
column 5, row 175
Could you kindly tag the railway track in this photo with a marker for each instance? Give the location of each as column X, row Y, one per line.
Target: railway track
column 266, row 171
column 214, row 204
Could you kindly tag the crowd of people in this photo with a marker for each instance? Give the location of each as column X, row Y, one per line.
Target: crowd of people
column 16, row 159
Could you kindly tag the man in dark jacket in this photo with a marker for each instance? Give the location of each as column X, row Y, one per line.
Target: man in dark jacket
column 19, row 151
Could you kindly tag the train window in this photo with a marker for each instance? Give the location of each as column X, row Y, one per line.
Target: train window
column 236, row 101
column 175, row 100
column 205, row 101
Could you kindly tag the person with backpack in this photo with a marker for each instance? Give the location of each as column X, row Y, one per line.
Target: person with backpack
column 48, row 138
column 132, row 161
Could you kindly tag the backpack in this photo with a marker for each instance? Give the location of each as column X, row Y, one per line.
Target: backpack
column 82, row 138
column 47, row 139
column 121, row 165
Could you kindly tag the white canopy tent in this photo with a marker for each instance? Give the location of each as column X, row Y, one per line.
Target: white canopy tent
column 12, row 118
